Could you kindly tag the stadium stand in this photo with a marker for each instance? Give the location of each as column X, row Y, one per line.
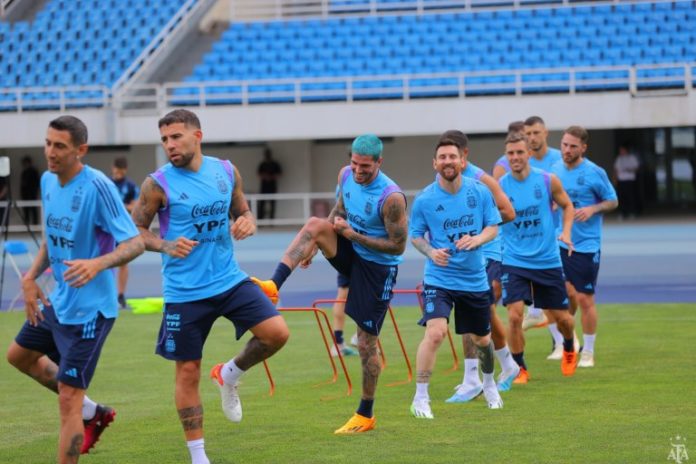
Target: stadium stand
column 88, row 44
column 81, row 50
column 594, row 47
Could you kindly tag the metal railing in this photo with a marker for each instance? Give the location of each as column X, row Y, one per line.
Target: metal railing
column 244, row 10
column 634, row 79
column 669, row 77
column 292, row 209
column 54, row 97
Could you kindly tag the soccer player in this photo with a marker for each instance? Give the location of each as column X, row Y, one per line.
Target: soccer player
column 592, row 194
column 471, row 385
column 451, row 219
column 364, row 238
column 543, row 157
column 129, row 193
column 532, row 269
column 60, row 344
column 201, row 207
column 501, row 166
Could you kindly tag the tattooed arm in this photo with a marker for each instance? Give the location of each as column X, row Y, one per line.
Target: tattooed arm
column 245, row 223
column 81, row 271
column 339, row 209
column 395, row 223
column 151, row 199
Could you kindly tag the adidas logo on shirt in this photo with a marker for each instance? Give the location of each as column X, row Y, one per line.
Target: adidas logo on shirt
column 439, row 208
column 183, row 196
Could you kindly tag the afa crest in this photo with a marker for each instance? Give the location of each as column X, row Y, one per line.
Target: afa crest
column 368, row 208
column 221, row 184
column 537, row 191
column 581, row 180
column 76, row 201
column 470, row 199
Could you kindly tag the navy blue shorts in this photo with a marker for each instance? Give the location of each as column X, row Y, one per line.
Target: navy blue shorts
column 472, row 310
column 543, row 287
column 371, row 286
column 75, row 348
column 185, row 326
column 342, row 280
column 493, row 271
column 581, row 270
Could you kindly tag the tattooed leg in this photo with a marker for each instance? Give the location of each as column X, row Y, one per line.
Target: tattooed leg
column 315, row 233
column 34, row 364
column 187, row 398
column 71, row 427
column 269, row 336
column 371, row 363
column 191, row 418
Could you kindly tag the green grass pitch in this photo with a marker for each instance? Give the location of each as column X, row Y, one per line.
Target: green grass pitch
column 625, row 410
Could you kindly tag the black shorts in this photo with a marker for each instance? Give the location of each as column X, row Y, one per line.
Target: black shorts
column 342, row 280
column 371, row 286
column 581, row 270
column 75, row 348
column 543, row 287
column 185, row 326
column 472, row 310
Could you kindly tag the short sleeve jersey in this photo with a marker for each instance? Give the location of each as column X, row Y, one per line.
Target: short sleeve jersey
column 84, row 219
column 586, row 184
column 442, row 218
column 127, row 190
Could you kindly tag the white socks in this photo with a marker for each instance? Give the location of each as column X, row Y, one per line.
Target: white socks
column 489, row 381
column 231, row 373
column 197, row 450
column 588, row 342
column 422, row 391
column 533, row 311
column 556, row 334
column 89, row 408
column 505, row 359
column 471, row 372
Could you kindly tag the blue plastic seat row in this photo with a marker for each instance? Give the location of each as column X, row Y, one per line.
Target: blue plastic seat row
column 98, row 38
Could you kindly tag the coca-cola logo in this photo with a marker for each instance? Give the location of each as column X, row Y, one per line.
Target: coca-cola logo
column 462, row 221
column 213, row 209
column 356, row 219
column 60, row 223
column 528, row 211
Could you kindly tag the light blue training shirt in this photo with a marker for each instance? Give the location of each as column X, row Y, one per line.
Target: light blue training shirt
column 198, row 205
column 84, row 219
column 445, row 218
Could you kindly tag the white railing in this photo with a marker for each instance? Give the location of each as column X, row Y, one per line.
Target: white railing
column 54, row 98
column 670, row 77
column 634, row 79
column 292, row 209
column 244, row 10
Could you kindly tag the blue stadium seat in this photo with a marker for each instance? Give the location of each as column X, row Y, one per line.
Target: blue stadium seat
column 78, row 33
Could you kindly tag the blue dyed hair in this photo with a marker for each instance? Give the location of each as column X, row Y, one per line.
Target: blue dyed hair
column 368, row 145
